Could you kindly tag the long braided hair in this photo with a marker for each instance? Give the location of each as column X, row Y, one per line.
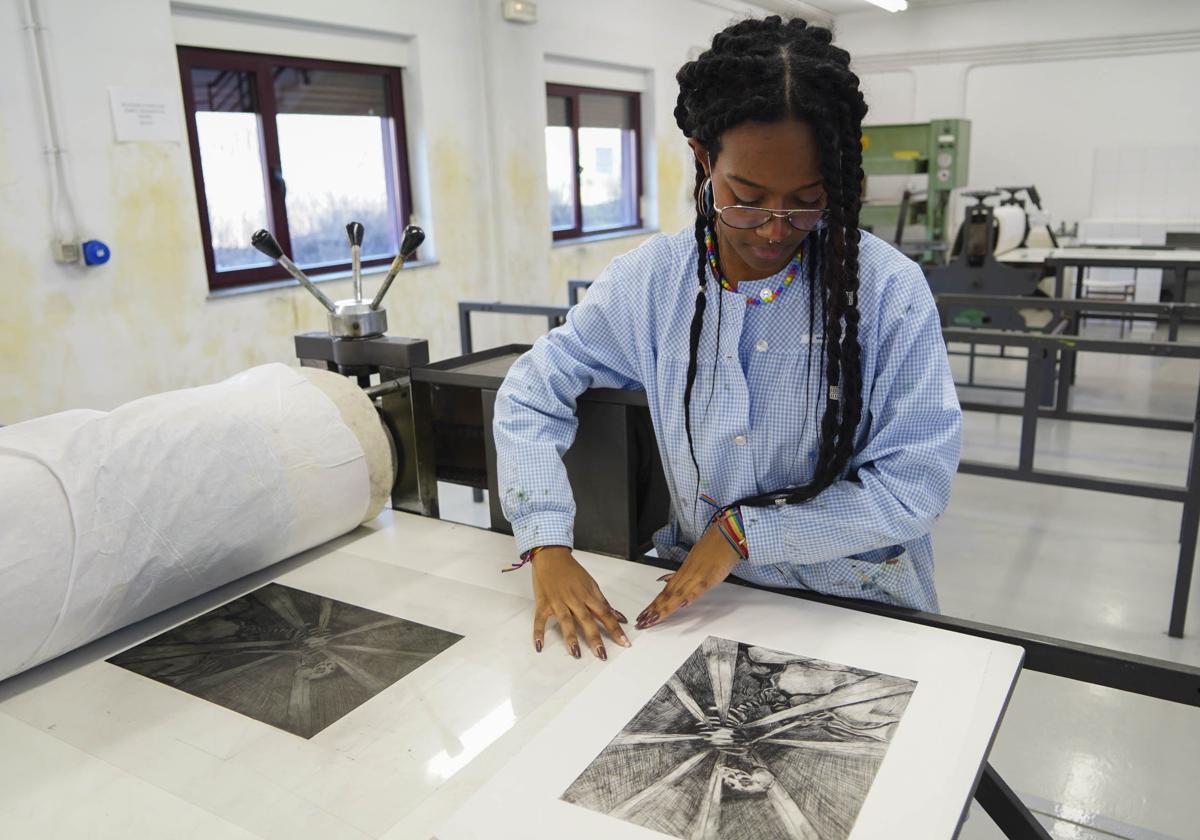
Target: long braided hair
column 768, row 71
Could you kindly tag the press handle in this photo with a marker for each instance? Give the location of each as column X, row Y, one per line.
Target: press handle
column 354, row 231
column 409, row 243
column 267, row 244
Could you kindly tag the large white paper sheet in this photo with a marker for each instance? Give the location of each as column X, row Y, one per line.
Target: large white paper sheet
column 926, row 774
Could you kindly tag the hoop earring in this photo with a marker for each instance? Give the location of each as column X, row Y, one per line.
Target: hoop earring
column 705, row 203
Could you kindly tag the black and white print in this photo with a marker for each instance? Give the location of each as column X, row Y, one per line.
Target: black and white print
column 750, row 743
column 287, row 658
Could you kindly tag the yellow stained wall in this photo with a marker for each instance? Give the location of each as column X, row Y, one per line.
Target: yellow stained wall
column 97, row 337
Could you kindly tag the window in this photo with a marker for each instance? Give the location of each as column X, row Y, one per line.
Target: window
column 593, row 166
column 300, row 147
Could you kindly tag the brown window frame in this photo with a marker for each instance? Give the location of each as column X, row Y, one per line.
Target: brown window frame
column 260, row 64
column 572, row 94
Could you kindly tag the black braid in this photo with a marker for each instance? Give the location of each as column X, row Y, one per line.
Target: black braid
column 767, row 71
column 697, row 322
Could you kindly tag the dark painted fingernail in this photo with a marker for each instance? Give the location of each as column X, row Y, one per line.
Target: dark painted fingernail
column 620, row 617
column 601, row 652
column 642, row 617
column 575, row 651
column 665, row 577
column 650, row 621
column 685, row 602
column 537, row 643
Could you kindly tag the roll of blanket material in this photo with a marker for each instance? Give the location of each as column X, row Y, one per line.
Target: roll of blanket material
column 1011, row 227
column 109, row 517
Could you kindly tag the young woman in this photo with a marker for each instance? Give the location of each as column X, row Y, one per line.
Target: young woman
column 794, row 366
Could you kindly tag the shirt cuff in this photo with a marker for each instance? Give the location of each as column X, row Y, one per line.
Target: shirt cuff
column 544, row 528
column 765, row 536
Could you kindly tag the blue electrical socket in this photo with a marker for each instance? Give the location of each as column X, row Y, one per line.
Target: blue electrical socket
column 95, row 252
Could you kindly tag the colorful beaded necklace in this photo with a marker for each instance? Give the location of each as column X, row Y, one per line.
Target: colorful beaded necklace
column 766, row 295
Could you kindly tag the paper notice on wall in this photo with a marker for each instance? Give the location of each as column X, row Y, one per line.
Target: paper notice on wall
column 145, row 114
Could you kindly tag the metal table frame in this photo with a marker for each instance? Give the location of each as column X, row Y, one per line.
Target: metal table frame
column 1040, row 347
column 554, row 316
column 1057, row 381
column 574, row 287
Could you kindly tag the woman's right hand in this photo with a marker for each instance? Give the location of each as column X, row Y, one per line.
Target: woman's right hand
column 564, row 591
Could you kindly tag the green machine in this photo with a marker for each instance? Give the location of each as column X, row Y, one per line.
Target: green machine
column 939, row 150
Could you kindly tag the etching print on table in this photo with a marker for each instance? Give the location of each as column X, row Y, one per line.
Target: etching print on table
column 746, row 742
column 287, row 658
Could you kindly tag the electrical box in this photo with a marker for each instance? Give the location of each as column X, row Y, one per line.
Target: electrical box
column 65, row 252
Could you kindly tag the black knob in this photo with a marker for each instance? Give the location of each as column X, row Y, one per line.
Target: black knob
column 265, row 242
column 354, row 231
column 413, row 237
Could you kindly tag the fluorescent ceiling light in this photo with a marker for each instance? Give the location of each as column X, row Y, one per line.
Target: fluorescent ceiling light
column 891, row 5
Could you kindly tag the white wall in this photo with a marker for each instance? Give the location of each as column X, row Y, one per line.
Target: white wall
column 1046, row 83
column 72, row 337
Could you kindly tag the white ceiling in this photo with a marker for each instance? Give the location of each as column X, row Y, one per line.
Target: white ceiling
column 832, row 8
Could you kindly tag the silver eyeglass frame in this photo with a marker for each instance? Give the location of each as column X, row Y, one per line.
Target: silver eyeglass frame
column 820, row 212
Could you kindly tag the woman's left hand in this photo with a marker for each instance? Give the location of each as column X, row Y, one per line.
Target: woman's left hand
column 708, row 563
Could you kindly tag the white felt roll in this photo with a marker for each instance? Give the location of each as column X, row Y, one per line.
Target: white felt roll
column 1011, row 221
column 360, row 416
column 106, row 518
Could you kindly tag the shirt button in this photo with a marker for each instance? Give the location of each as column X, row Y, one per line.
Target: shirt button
column 740, row 440
column 762, row 345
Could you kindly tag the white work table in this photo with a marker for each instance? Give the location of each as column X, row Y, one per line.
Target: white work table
column 91, row 749
column 1177, row 261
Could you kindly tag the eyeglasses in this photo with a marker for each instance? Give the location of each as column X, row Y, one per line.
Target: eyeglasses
column 747, row 218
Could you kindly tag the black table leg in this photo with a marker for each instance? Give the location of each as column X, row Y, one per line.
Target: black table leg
column 1006, row 809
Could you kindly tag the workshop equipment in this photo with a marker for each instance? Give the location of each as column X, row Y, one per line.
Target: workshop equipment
column 974, row 270
column 439, row 418
column 1032, row 229
column 356, row 317
column 938, row 150
column 355, row 345
column 106, row 518
column 109, row 517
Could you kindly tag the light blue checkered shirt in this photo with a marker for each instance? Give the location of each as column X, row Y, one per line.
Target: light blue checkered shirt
column 756, row 408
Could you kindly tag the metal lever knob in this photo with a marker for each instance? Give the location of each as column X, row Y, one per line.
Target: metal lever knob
column 409, row 243
column 267, row 244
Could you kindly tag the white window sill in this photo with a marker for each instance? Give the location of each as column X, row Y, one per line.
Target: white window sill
column 603, row 236
column 368, row 274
